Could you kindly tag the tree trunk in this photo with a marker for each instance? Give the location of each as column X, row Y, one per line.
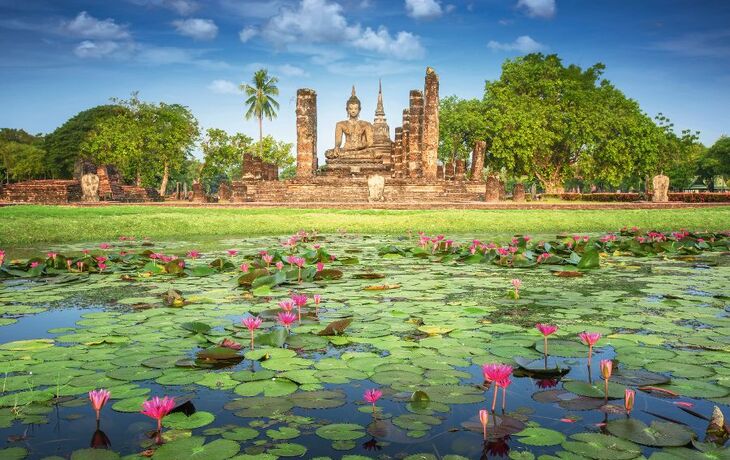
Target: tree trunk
column 165, row 177
column 261, row 137
column 138, row 180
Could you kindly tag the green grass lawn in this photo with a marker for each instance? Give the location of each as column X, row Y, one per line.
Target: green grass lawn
column 36, row 225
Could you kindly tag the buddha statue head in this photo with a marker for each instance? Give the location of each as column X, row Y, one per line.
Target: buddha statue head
column 353, row 105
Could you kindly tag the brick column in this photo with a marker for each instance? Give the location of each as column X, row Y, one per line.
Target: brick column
column 405, row 143
column 415, row 134
column 306, row 132
column 430, row 144
column 477, row 161
column 398, row 153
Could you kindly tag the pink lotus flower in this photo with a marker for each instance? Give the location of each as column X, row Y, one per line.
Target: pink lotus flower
column 279, row 266
column 546, row 330
column 496, row 373
column 372, row 395
column 629, row 400
column 590, row 339
column 157, row 409
column 267, row 259
column 606, row 369
column 252, row 323
column 33, row 264
column 101, row 259
column 102, row 266
column 232, row 252
column 52, row 255
column 98, row 398
column 320, row 266
column 181, row 264
column 516, row 283
column 68, row 264
column 104, row 246
column 2, row 256
column 228, row 343
column 85, row 251
column 193, row 254
column 484, row 419
column 287, row 305
column 244, row 268
column 316, row 246
column 543, row 257
column 299, row 300
column 286, row 318
column 317, row 300
column 80, row 265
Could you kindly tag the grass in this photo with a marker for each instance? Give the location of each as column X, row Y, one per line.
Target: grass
column 37, row 225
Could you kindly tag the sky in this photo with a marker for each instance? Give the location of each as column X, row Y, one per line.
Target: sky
column 59, row 57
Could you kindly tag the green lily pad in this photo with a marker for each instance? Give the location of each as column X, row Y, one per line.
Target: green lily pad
column 195, row 448
column 601, row 447
column 537, row 436
column 597, row 390
column 180, row 421
column 341, row 431
column 658, row 434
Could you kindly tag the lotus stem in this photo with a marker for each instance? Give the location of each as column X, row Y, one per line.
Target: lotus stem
column 252, row 339
column 494, row 398
column 605, row 388
column 504, row 399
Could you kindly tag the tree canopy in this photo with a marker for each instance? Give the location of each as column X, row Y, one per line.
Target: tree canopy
column 260, row 101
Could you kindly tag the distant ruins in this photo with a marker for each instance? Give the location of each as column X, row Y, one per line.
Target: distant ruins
column 369, row 166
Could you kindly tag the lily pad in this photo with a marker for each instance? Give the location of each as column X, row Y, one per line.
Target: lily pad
column 658, row 434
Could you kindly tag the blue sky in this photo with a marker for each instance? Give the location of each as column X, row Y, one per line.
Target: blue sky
column 62, row 56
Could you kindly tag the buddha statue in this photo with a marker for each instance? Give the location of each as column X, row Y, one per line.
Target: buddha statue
column 358, row 135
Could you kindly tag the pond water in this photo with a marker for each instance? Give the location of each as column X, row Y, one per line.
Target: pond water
column 424, row 319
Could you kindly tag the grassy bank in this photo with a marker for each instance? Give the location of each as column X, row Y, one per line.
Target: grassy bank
column 32, row 225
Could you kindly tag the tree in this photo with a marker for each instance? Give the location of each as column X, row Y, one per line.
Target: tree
column 715, row 162
column 555, row 122
column 22, row 155
column 64, row 144
column 275, row 152
column 261, row 102
column 462, row 122
column 145, row 141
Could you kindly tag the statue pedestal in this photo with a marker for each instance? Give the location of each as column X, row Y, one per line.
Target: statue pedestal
column 360, row 163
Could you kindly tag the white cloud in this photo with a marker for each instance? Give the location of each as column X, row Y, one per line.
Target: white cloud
column 224, row 87
column 199, row 29
column 291, row 71
column 403, row 46
column 322, row 22
column 523, row 44
column 423, row 9
column 92, row 49
column 168, row 55
column 182, row 7
column 247, row 33
column 86, row 26
column 538, row 8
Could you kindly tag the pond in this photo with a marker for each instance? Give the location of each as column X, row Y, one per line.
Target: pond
column 414, row 317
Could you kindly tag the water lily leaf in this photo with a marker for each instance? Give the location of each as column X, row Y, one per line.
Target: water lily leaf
column 284, row 432
column 88, row 454
column 180, row 421
column 328, row 274
column 435, row 330
column 324, row 399
column 195, row 448
column 537, row 436
column 341, row 431
column 288, row 450
column 16, row 453
column 259, row 406
column 596, row 390
column 602, row 447
column 241, row 433
column 27, row 345
column 196, row 327
column 273, row 387
column 658, row 434
column 336, row 327
column 697, row 388
column 381, row 287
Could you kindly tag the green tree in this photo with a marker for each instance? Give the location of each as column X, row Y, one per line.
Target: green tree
column 64, row 144
column 715, row 162
column 462, row 122
column 554, row 122
column 22, row 156
column 260, row 101
column 275, row 152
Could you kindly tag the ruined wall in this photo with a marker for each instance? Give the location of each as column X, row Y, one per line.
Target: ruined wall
column 415, row 133
column 306, row 132
column 477, row 161
column 430, row 141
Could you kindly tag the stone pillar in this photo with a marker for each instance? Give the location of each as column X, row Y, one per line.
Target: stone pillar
column 89, row 187
column 430, row 144
column 405, row 141
column 460, row 169
column 518, row 193
column 660, row 188
column 415, row 133
column 398, row 153
column 376, row 188
column 198, row 194
column 306, row 132
column 449, row 170
column 477, row 161
column 493, row 189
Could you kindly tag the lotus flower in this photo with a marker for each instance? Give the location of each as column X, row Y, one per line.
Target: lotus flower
column 496, row 373
column 484, row 418
column 590, row 339
column 279, row 266
column 629, row 400
column 286, row 318
column 68, row 264
column 157, row 409
column 546, row 330
column 372, row 395
column 232, row 252
column 320, row 266
column 299, row 300
column 317, row 300
column 101, row 266
column 193, row 254
column 52, row 255
column 2, row 256
column 34, row 264
column 80, row 266
column 606, row 369
column 287, row 305
column 245, row 267
column 98, row 398
column 85, row 251
column 517, row 284
column 252, row 323
column 267, row 258
column 104, row 246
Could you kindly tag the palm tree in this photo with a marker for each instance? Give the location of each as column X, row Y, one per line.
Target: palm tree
column 260, row 101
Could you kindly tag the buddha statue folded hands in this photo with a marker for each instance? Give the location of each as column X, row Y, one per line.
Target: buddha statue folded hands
column 358, row 136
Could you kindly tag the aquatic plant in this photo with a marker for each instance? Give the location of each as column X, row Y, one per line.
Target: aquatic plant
column 590, row 339
column 371, row 396
column 484, row 419
column 286, row 319
column 546, row 330
column 98, row 399
column 629, row 400
column 495, row 373
column 606, row 369
column 158, row 409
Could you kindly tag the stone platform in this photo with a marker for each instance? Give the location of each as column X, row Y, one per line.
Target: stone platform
column 355, row 190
